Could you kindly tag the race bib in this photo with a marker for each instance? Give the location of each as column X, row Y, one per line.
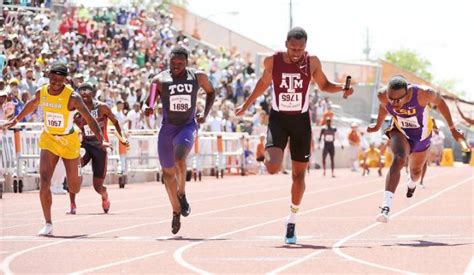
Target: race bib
column 290, row 101
column 408, row 122
column 87, row 131
column 329, row 138
column 180, row 103
column 54, row 120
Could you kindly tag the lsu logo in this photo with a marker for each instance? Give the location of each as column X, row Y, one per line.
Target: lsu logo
column 409, row 112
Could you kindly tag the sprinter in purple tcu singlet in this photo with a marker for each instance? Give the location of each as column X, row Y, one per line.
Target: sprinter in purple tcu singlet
column 177, row 88
column 410, row 132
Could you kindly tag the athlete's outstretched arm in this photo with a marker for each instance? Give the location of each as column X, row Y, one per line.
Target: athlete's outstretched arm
column 324, row 84
column 204, row 83
column 321, row 136
column 108, row 113
column 262, row 85
column 77, row 103
column 468, row 120
column 429, row 96
column 29, row 107
column 381, row 116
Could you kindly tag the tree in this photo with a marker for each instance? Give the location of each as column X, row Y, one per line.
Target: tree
column 450, row 85
column 410, row 61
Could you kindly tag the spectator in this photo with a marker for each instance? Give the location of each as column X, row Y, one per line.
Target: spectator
column 328, row 115
column 29, row 84
column 135, row 118
column 3, row 100
column 437, row 144
column 214, row 122
column 354, row 146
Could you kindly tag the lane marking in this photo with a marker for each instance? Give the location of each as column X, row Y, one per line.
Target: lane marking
column 5, row 264
column 316, row 253
column 117, row 263
column 178, row 254
column 470, row 267
column 337, row 246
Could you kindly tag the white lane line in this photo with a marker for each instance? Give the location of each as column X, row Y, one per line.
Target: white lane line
column 5, row 264
column 143, row 208
column 337, row 246
column 178, row 254
column 470, row 267
column 236, row 185
column 309, row 256
column 449, row 241
column 298, row 261
column 138, row 195
column 92, row 269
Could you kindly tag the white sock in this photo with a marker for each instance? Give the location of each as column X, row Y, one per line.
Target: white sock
column 293, row 210
column 387, row 199
column 411, row 184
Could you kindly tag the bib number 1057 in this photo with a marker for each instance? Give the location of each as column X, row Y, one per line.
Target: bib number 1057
column 54, row 120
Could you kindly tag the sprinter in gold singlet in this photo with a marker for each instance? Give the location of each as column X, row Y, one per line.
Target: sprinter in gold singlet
column 59, row 138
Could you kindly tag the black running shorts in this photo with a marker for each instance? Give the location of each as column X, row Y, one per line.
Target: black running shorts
column 295, row 127
column 98, row 157
column 328, row 149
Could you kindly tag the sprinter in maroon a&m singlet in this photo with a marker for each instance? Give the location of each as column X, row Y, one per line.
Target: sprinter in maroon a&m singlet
column 291, row 72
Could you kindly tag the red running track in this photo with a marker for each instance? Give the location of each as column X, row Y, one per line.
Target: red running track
column 237, row 226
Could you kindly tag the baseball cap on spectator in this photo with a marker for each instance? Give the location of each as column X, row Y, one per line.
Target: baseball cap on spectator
column 59, row 69
column 86, row 86
column 14, row 81
column 78, row 75
column 3, row 93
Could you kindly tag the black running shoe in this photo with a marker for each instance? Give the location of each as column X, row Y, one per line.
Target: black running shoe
column 185, row 208
column 175, row 223
column 290, row 237
column 410, row 192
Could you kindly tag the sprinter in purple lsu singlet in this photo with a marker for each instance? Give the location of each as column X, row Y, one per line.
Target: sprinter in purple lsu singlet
column 410, row 132
column 177, row 88
column 291, row 72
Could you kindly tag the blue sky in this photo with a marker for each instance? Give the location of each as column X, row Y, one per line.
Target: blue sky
column 440, row 31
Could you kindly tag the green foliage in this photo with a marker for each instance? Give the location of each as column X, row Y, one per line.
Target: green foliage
column 410, row 61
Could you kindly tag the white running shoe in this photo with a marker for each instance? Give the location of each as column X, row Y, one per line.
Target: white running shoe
column 384, row 214
column 47, row 230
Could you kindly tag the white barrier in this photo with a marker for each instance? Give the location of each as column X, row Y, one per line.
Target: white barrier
column 213, row 153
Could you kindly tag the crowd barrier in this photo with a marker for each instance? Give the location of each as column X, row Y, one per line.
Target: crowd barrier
column 213, row 154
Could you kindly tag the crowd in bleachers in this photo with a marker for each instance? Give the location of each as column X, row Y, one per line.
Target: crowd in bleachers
column 117, row 50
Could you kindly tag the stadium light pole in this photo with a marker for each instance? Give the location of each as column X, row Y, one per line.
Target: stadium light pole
column 291, row 14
